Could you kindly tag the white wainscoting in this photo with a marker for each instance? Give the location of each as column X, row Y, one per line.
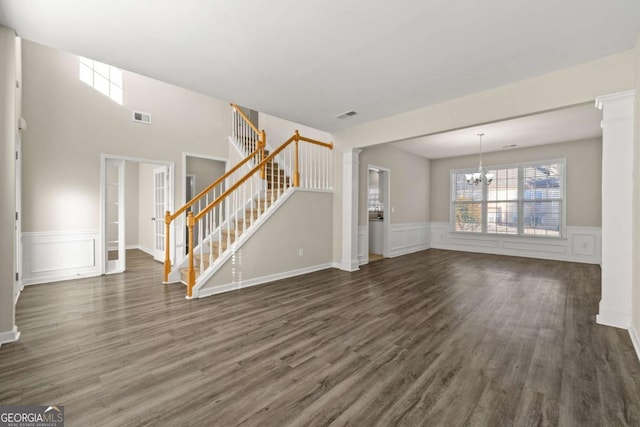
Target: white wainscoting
column 583, row 244
column 405, row 238
column 60, row 255
column 409, row 237
column 363, row 244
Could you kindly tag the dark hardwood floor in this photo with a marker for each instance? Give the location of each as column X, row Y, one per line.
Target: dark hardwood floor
column 431, row 338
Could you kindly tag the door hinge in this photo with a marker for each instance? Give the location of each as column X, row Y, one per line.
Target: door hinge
column 16, row 155
column 17, row 216
column 17, row 276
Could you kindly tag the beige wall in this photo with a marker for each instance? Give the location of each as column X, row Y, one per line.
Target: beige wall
column 8, row 129
column 409, row 176
column 146, row 232
column 636, row 197
column 70, row 124
column 583, row 177
column 303, row 222
column 131, row 203
column 206, row 171
column 569, row 86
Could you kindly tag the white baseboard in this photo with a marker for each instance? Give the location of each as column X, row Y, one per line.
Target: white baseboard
column 613, row 318
column 201, row 293
column 9, row 336
column 635, row 339
column 51, row 256
column 582, row 244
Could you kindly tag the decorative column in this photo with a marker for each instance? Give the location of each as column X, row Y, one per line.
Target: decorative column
column 350, row 210
column 617, row 208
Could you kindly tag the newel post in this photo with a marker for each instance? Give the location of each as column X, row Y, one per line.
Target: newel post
column 167, row 238
column 191, row 274
column 263, row 143
column 296, row 172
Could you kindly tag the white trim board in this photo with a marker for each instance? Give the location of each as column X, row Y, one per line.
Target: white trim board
column 52, row 256
column 262, row 280
column 9, row 336
column 635, row 340
column 363, row 244
column 582, row 244
column 405, row 238
column 409, row 237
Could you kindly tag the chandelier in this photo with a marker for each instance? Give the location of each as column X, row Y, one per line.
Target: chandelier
column 480, row 176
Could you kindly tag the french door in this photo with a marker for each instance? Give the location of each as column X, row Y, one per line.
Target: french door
column 160, row 206
column 114, row 216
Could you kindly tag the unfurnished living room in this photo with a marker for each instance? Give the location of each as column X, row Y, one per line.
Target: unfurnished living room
column 320, row 213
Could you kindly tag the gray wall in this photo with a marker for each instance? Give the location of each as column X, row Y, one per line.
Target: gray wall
column 583, row 177
column 206, row 171
column 409, row 176
column 131, row 203
column 304, row 221
column 8, row 130
column 71, row 124
column 146, row 231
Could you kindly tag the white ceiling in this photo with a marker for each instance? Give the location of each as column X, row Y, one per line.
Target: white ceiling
column 310, row 61
column 567, row 124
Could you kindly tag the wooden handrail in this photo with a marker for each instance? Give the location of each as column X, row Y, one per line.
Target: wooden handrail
column 246, row 119
column 169, row 217
column 296, row 137
column 193, row 219
column 218, row 181
column 242, row 180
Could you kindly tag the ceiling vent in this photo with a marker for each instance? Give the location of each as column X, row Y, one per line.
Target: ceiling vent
column 346, row 115
column 141, row 117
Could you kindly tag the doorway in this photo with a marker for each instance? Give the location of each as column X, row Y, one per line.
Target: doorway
column 200, row 172
column 378, row 209
column 136, row 193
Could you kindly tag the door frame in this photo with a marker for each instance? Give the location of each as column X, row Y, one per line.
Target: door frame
column 186, row 154
column 17, row 285
column 181, row 246
column 385, row 188
column 101, row 250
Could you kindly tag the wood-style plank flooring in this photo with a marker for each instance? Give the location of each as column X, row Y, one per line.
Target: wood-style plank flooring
column 432, row 338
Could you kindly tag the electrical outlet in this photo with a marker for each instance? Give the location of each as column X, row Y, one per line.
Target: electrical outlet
column 300, row 251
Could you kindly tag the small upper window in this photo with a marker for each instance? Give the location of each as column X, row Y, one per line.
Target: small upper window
column 103, row 78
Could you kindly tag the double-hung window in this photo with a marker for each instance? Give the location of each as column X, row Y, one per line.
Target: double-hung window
column 526, row 199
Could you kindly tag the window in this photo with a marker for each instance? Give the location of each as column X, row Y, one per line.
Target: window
column 522, row 200
column 103, row 78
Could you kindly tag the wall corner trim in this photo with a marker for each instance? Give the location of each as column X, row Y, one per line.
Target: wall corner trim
column 9, row 336
column 635, row 339
column 615, row 318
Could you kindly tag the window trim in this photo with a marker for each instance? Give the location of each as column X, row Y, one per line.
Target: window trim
column 521, row 165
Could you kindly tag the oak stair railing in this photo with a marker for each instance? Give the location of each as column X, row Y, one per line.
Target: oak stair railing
column 246, row 134
column 234, row 203
column 243, row 203
column 200, row 201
